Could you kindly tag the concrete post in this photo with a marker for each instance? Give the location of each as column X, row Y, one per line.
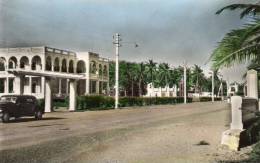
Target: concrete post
column 7, row 85
column 117, row 43
column 185, row 83
column 18, row 85
column 252, row 86
column 72, row 103
column 236, row 105
column 59, row 87
column 30, row 85
column 43, row 84
column 48, row 96
column 97, row 87
column 67, row 86
column 87, row 86
column 212, row 87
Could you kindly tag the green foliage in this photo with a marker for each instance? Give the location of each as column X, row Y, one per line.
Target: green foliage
column 94, row 102
column 242, row 44
column 61, row 102
column 253, row 134
column 103, row 102
column 247, row 9
column 206, row 99
column 255, row 154
column 41, row 103
column 134, row 77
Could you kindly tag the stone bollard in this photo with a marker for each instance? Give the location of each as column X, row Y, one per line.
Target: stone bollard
column 231, row 137
column 252, row 84
column 236, row 106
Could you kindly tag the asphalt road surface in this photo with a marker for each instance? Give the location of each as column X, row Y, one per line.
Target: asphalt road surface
column 167, row 133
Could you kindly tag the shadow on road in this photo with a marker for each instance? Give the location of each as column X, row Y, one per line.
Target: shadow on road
column 18, row 120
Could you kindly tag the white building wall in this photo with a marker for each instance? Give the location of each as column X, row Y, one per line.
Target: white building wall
column 43, row 53
column 161, row 92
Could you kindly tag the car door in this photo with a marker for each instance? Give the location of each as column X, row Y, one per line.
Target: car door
column 21, row 106
column 30, row 106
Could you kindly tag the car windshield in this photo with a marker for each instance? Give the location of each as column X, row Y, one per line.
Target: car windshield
column 8, row 99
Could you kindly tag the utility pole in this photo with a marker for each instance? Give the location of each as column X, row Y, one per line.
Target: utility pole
column 222, row 92
column 212, row 93
column 117, row 45
column 185, row 82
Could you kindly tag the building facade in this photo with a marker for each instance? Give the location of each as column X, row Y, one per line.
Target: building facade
column 232, row 89
column 161, row 92
column 58, row 65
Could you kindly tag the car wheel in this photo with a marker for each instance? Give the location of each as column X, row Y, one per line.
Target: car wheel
column 38, row 115
column 6, row 117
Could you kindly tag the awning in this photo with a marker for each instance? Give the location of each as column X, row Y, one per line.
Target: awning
column 49, row 74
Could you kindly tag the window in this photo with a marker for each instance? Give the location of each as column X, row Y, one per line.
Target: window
column 34, row 87
column 8, row 99
column 2, row 64
column 29, row 100
column 2, row 85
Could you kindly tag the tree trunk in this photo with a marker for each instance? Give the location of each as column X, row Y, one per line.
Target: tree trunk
column 140, row 89
column 132, row 88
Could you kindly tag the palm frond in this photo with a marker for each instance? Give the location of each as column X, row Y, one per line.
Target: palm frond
column 248, row 9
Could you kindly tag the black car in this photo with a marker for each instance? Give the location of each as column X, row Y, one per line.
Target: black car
column 19, row 106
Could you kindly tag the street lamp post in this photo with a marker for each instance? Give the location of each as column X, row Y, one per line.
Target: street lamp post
column 212, row 89
column 117, row 44
column 222, row 89
column 185, row 82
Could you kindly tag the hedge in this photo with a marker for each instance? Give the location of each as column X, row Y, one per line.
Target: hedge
column 61, row 102
column 104, row 102
column 206, row 99
column 41, row 103
column 94, row 102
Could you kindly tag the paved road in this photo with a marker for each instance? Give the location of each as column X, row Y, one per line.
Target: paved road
column 166, row 133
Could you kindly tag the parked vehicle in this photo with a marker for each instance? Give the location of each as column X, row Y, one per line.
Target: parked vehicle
column 19, row 106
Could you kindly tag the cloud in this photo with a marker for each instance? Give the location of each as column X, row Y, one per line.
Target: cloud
column 167, row 31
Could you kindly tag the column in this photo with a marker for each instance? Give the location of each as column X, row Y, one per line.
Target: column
column 30, row 85
column 97, row 87
column 87, row 86
column 236, row 104
column 252, row 86
column 18, row 85
column 67, row 86
column 59, row 87
column 48, row 96
column 42, row 86
column 7, row 85
column 72, row 96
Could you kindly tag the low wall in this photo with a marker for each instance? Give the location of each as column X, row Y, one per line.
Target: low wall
column 245, row 126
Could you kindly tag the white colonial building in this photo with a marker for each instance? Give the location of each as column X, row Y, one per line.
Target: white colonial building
column 232, row 89
column 43, row 71
column 161, row 92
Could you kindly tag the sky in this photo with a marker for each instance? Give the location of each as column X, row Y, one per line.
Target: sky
column 166, row 30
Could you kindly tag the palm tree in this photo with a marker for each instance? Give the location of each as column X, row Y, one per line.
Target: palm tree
column 247, row 9
column 164, row 73
column 198, row 77
column 141, row 75
column 242, row 44
column 151, row 69
column 131, row 70
column 238, row 46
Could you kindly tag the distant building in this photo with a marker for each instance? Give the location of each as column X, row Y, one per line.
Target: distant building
column 232, row 89
column 161, row 92
column 25, row 70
